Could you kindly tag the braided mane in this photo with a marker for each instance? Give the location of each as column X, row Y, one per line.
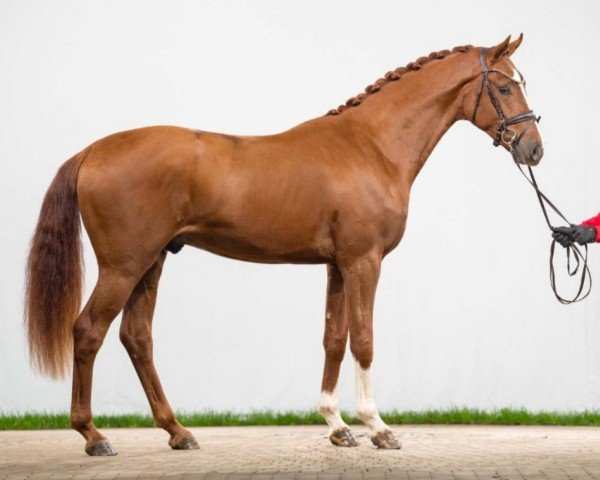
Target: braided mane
column 396, row 75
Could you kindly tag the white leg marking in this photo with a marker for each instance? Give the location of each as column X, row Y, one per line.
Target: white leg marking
column 366, row 411
column 328, row 407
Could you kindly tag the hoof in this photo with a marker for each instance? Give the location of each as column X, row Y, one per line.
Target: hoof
column 386, row 440
column 101, row 448
column 343, row 438
column 186, row 443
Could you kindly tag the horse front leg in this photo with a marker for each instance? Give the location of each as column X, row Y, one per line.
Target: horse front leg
column 360, row 284
column 334, row 343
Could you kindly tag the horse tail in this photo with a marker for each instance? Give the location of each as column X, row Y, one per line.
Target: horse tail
column 54, row 275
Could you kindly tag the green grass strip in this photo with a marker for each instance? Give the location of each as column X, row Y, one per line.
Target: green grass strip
column 458, row 416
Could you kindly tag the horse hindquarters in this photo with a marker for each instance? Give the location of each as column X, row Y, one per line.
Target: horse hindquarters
column 129, row 223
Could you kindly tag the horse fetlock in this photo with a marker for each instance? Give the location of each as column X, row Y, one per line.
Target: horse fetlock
column 327, row 404
column 367, row 412
column 166, row 421
column 81, row 421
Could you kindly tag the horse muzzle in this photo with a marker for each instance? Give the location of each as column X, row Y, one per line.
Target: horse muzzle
column 528, row 153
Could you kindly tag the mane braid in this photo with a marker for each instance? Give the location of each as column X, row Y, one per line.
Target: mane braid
column 396, row 75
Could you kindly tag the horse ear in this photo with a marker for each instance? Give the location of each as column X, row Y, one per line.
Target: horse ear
column 512, row 46
column 499, row 50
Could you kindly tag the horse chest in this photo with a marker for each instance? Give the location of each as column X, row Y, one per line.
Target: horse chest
column 394, row 230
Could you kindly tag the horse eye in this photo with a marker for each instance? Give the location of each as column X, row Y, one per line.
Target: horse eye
column 504, row 90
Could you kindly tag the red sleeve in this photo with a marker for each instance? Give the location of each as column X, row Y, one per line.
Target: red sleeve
column 594, row 222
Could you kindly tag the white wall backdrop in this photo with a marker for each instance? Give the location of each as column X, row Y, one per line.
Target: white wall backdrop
column 464, row 314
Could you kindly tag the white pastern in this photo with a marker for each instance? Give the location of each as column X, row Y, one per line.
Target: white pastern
column 328, row 407
column 366, row 411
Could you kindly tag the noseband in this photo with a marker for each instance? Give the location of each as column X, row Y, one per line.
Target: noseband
column 504, row 134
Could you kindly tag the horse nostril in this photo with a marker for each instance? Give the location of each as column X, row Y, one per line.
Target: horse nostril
column 537, row 152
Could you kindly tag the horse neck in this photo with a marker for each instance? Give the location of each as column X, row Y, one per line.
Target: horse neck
column 407, row 118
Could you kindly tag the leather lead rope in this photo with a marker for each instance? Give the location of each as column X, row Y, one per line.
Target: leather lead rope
column 572, row 249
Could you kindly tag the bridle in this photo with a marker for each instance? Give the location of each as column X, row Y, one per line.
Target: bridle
column 511, row 139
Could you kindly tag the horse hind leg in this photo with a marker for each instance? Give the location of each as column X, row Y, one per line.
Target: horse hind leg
column 136, row 336
column 108, row 298
column 334, row 342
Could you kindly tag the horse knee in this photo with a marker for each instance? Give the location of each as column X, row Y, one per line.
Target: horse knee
column 362, row 350
column 335, row 347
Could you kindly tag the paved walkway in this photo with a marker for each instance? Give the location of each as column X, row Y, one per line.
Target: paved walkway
column 303, row 453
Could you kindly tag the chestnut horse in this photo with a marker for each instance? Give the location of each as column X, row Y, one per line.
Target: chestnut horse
column 333, row 190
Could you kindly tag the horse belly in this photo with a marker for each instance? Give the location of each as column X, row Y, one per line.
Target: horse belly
column 259, row 248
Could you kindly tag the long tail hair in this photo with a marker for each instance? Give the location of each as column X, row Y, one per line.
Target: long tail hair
column 54, row 275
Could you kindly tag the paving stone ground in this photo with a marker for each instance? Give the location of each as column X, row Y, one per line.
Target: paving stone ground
column 303, row 453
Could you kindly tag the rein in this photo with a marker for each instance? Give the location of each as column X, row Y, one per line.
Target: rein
column 511, row 139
